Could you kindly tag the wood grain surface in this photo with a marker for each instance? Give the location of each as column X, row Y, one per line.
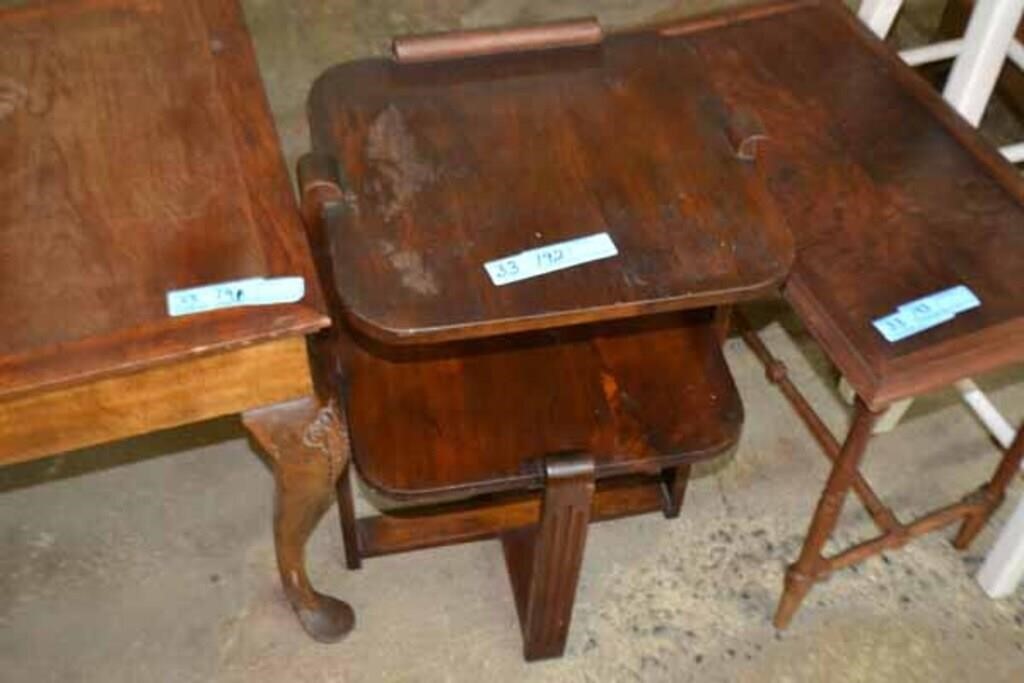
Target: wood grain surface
column 451, row 164
column 433, row 423
column 137, row 155
column 36, row 425
column 889, row 195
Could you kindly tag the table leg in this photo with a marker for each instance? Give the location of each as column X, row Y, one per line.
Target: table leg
column 349, row 523
column 544, row 561
column 811, row 566
column 992, row 493
column 675, row 480
column 307, row 445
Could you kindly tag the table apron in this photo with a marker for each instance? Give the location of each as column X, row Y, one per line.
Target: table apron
column 207, row 386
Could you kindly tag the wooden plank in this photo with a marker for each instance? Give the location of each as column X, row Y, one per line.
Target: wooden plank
column 386, row 534
column 203, row 387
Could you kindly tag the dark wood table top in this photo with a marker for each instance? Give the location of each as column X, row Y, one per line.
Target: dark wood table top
column 137, row 156
column 449, row 165
column 889, row 194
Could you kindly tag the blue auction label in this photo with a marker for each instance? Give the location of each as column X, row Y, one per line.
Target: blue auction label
column 925, row 313
column 255, row 291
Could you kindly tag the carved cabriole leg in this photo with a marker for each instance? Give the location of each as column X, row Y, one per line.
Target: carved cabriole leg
column 544, row 560
column 993, row 492
column 347, row 515
column 811, row 567
column 308, row 448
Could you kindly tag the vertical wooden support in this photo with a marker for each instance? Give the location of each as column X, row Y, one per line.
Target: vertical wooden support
column 308, row 448
column 723, row 322
column 811, row 566
column 675, row 481
column 347, row 516
column 992, row 493
column 544, row 560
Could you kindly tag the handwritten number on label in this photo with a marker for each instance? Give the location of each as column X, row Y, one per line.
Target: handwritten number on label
column 551, row 258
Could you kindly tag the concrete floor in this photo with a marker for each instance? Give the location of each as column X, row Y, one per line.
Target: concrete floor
column 152, row 560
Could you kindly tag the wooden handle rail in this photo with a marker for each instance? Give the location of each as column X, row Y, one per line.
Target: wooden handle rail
column 480, row 42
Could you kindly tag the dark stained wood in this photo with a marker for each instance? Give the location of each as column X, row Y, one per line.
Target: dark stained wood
column 448, row 165
column 137, row 156
column 777, row 373
column 544, row 561
column 810, row 565
column 889, row 194
column 474, row 402
column 813, row 566
column 307, row 445
column 890, row 197
column 350, row 529
column 403, row 530
column 480, row 417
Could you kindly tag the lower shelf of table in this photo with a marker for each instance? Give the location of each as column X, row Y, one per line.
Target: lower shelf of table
column 443, row 423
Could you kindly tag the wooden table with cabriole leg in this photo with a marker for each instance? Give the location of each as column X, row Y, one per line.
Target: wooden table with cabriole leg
column 137, row 156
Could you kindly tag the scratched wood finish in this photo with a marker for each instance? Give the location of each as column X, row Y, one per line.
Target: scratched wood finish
column 448, row 165
column 137, row 155
column 480, row 417
column 889, row 194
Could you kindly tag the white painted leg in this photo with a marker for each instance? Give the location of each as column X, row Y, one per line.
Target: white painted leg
column 1003, row 568
column 879, row 15
column 986, row 44
column 987, row 413
column 1014, row 153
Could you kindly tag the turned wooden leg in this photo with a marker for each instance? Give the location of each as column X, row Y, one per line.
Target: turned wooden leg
column 347, row 516
column 809, row 567
column 544, row 561
column 675, row 481
column 308, row 448
column 993, row 492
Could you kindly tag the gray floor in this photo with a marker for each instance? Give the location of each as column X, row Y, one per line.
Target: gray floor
column 151, row 559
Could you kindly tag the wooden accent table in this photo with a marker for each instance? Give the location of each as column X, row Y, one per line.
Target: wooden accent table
column 525, row 410
column 137, row 156
column 891, row 196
